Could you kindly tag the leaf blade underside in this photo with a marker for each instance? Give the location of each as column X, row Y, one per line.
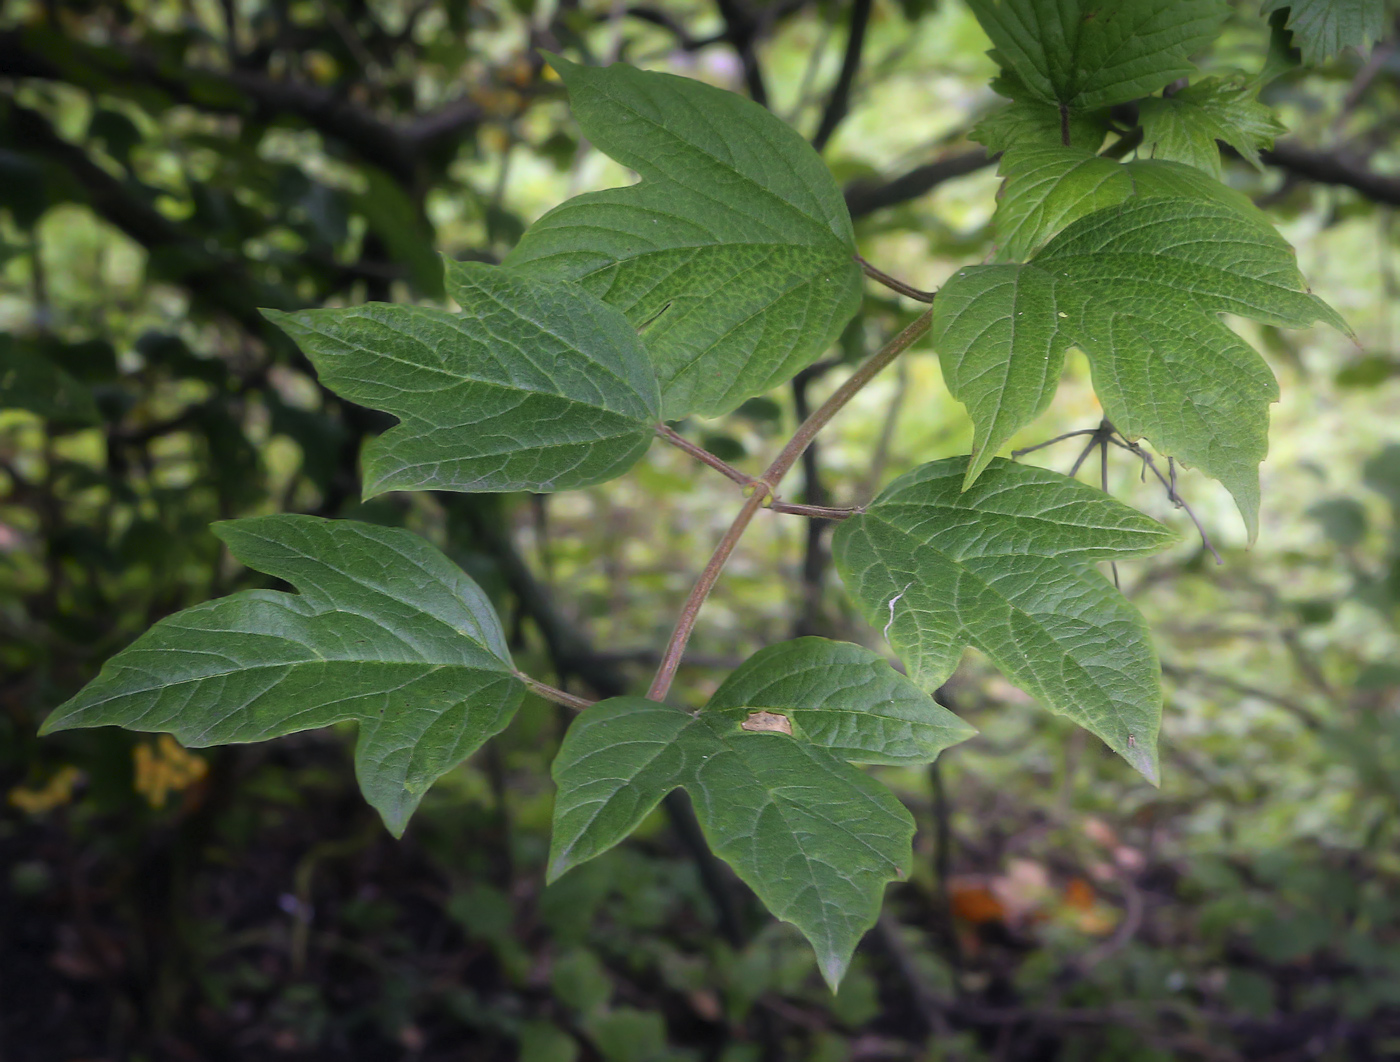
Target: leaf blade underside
column 386, row 632
column 1006, row 566
column 1139, row 287
column 814, row 837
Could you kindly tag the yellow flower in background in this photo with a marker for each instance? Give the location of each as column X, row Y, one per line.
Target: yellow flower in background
column 53, row 794
column 165, row 767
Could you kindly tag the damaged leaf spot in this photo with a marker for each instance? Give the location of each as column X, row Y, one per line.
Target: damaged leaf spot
column 768, row 722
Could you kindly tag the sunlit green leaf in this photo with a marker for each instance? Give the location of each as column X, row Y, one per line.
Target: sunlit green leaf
column 1007, row 567
column 385, row 631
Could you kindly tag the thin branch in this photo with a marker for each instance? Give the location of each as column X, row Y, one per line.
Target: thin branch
column 1337, row 168
column 892, row 283
column 816, row 512
column 865, row 196
column 839, row 103
column 1170, row 484
column 801, row 439
column 1051, row 442
column 550, row 693
column 680, row 442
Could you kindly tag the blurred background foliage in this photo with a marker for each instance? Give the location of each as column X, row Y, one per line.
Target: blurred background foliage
column 169, row 166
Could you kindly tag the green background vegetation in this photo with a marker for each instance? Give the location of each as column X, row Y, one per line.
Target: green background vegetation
column 168, row 167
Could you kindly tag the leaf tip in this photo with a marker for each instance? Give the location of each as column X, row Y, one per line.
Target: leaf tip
column 833, row 967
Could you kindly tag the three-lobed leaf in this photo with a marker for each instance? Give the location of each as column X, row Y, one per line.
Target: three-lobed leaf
column 1322, row 28
column 1032, row 123
column 1089, row 54
column 533, row 386
column 814, row 837
column 1006, row 566
column 1139, row 287
column 385, row 631
column 734, row 256
column 1185, row 127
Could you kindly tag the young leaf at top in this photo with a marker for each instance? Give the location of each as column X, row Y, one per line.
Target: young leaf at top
column 1048, row 188
column 1185, row 127
column 1322, row 28
column 842, row 697
column 533, row 386
column 1088, row 54
column 1138, row 287
column 814, row 837
column 386, row 631
column 1007, row 567
column 733, row 256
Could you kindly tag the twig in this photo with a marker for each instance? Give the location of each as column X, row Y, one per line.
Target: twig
column 839, row 102
column 819, row 512
column 550, row 693
column 799, row 442
column 1051, row 442
column 1170, row 484
column 816, row 512
column 680, row 442
column 892, row 283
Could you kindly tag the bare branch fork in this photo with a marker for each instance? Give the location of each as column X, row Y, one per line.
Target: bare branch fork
column 1104, row 435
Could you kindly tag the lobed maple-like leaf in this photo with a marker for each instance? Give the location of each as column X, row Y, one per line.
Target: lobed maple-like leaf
column 734, row 256
column 386, row 632
column 533, row 386
column 767, row 764
column 1185, row 127
column 1007, row 566
column 1139, row 287
column 814, row 837
column 1322, row 28
column 1089, row 54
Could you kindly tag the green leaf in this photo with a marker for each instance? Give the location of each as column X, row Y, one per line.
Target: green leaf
column 733, row 256
column 1028, row 123
column 1139, row 288
column 1047, row 188
column 386, row 632
column 1088, row 54
column 1322, row 28
column 842, row 697
column 1186, row 126
column 619, row 758
column 534, row 386
column 1007, row 567
column 815, row 838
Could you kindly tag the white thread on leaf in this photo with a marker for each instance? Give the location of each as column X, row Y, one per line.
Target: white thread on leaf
column 886, row 633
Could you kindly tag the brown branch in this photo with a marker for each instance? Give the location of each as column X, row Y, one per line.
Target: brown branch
column 880, row 276
column 1335, row 168
column 680, row 442
column 801, row 439
column 551, row 693
column 865, row 196
column 839, row 103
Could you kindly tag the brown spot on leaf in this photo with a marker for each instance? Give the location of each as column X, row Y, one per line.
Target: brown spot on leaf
column 768, row 722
